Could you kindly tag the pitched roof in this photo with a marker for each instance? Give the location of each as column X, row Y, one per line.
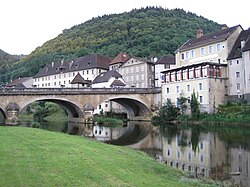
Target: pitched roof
column 236, row 51
column 78, row 79
column 104, row 77
column 82, row 63
column 169, row 59
column 117, row 83
column 208, row 39
column 120, row 58
column 18, row 82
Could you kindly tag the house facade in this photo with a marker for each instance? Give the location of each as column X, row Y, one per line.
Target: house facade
column 239, row 68
column 61, row 74
column 163, row 64
column 201, row 68
column 138, row 73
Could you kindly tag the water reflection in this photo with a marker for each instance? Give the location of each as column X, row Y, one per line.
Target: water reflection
column 219, row 153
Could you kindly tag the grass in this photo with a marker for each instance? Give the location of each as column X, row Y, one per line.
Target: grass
column 103, row 119
column 36, row 157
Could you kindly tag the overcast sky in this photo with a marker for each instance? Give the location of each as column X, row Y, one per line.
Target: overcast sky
column 27, row 24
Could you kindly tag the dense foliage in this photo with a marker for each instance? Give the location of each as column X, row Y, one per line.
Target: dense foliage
column 147, row 32
column 6, row 61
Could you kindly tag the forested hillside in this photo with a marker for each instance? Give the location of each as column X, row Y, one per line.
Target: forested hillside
column 147, row 32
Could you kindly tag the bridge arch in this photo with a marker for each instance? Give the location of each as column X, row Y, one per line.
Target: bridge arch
column 134, row 107
column 73, row 110
column 3, row 112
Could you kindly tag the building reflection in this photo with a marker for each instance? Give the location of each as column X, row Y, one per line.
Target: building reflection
column 206, row 157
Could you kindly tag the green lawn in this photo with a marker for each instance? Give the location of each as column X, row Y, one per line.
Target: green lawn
column 36, row 157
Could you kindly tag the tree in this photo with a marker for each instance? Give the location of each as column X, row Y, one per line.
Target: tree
column 194, row 104
column 181, row 103
column 168, row 112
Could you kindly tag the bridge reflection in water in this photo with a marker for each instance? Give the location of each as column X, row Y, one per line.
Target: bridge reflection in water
column 222, row 156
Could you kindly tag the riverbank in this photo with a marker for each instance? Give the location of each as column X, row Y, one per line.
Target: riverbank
column 36, row 157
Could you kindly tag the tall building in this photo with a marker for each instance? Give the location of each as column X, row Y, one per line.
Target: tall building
column 201, row 68
column 138, row 73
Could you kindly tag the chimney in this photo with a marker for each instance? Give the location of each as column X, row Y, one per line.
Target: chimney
column 224, row 26
column 199, row 33
column 242, row 43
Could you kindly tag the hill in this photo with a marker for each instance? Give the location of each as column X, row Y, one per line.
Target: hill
column 146, row 32
column 6, row 61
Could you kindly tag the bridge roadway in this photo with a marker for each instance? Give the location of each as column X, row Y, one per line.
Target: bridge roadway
column 138, row 102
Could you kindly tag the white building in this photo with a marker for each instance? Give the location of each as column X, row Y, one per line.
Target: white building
column 138, row 73
column 109, row 79
column 239, row 67
column 201, row 67
column 25, row 82
column 163, row 64
column 61, row 74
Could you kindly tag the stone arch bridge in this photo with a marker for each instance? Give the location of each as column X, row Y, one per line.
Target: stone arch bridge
column 140, row 103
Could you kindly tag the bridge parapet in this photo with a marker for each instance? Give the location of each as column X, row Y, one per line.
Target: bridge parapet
column 77, row 91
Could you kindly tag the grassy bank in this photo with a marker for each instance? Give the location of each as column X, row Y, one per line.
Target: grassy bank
column 35, row 157
column 103, row 119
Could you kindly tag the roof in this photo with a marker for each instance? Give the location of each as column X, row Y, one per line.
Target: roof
column 193, row 66
column 120, row 58
column 236, row 51
column 18, row 83
column 104, row 77
column 82, row 63
column 88, row 107
column 78, row 79
column 208, row 39
column 117, row 83
column 169, row 59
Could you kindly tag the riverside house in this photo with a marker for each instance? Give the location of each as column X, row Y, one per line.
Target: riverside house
column 61, row 74
column 201, row 67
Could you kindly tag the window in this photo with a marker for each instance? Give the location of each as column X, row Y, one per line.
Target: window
column 237, row 74
column 238, row 86
column 218, row 47
column 168, row 152
column 203, row 51
column 73, row 74
column 201, row 146
column 192, row 54
column 201, row 99
column 200, row 86
column 178, row 154
column 54, row 83
column 187, row 55
column 177, row 89
column 92, row 71
column 201, row 158
column 210, row 49
column 182, row 56
column 100, row 106
column 64, row 75
column 167, row 90
column 55, row 76
column 219, row 60
column 237, row 61
column 188, row 88
column 189, row 157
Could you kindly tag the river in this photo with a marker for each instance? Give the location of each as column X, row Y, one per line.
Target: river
column 218, row 152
